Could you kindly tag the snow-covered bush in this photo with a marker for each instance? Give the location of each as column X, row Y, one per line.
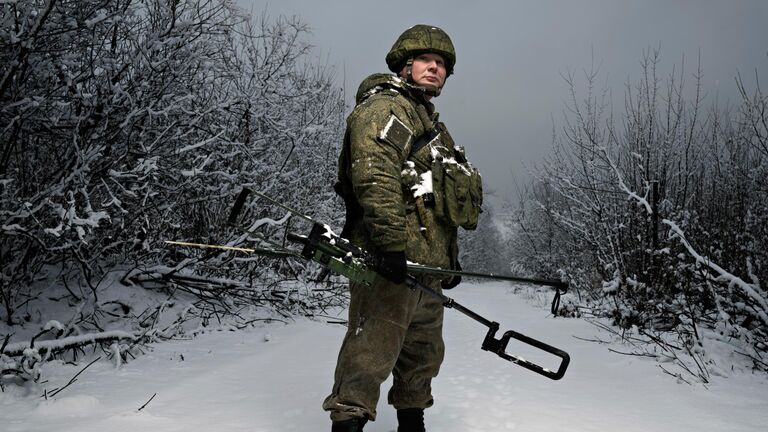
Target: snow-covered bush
column 124, row 124
column 658, row 213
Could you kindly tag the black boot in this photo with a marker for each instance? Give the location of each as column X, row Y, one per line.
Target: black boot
column 410, row 420
column 351, row 425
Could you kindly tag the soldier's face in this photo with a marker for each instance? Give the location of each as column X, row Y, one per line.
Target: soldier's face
column 428, row 70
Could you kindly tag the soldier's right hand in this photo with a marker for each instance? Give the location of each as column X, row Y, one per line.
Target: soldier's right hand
column 392, row 266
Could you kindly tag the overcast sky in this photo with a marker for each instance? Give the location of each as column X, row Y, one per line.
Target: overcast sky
column 507, row 87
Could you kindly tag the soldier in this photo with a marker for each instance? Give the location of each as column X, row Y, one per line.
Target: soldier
column 407, row 188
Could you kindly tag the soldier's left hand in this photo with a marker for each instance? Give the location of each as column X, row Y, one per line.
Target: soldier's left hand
column 447, row 284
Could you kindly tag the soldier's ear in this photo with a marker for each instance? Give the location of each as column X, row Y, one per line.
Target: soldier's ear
column 407, row 69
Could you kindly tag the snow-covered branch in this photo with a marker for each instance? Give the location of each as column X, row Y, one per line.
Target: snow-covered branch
column 722, row 275
column 70, row 342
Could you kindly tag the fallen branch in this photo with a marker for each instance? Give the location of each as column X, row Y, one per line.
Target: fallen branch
column 147, row 402
column 58, row 345
column 71, row 381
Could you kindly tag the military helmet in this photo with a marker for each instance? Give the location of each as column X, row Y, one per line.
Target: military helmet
column 420, row 39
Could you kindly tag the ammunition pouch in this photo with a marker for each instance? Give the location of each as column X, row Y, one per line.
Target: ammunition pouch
column 457, row 187
column 458, row 190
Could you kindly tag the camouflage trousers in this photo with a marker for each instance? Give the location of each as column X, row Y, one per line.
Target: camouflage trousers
column 392, row 329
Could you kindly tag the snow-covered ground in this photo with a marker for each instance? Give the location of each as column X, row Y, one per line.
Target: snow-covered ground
column 275, row 377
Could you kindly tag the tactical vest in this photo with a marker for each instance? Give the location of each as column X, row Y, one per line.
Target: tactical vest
column 456, row 194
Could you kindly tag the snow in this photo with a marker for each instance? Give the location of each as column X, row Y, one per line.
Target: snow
column 409, row 169
column 102, row 15
column 437, row 155
column 71, row 340
column 275, row 377
column 199, row 144
column 424, row 186
column 612, row 285
column 53, row 324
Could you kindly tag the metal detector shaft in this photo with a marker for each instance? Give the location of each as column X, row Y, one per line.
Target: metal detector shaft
column 499, row 346
column 416, row 268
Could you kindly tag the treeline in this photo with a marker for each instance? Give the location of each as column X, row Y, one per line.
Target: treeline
column 657, row 213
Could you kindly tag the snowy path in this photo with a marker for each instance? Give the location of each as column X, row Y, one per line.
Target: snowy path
column 238, row 381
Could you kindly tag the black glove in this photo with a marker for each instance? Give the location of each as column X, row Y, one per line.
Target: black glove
column 450, row 283
column 392, row 266
column 447, row 284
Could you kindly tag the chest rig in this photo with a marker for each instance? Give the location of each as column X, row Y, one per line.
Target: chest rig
column 437, row 172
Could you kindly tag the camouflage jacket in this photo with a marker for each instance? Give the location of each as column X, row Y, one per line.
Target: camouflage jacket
column 378, row 174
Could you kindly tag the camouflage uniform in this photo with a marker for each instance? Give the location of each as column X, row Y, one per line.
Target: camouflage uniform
column 391, row 328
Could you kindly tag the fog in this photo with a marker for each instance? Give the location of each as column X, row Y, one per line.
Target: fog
column 508, row 93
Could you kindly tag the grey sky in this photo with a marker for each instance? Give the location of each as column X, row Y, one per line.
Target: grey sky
column 507, row 87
